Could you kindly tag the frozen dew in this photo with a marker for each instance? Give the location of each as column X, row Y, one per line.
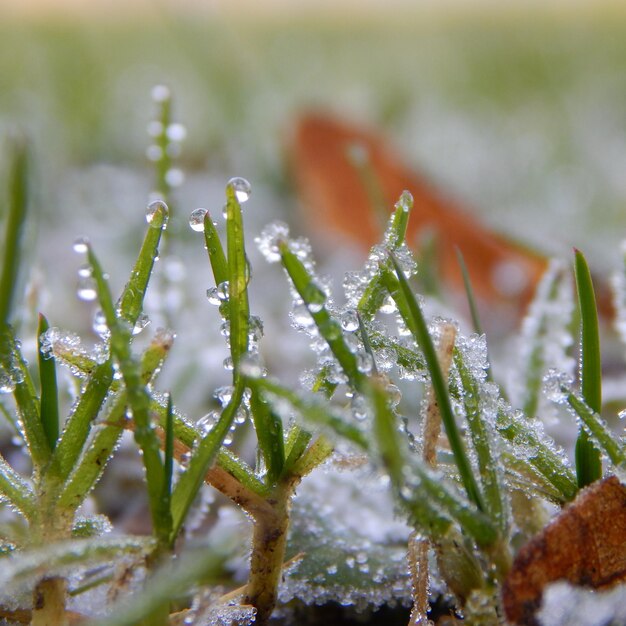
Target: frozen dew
column 388, row 306
column 160, row 93
column 196, row 220
column 350, row 321
column 255, row 328
column 241, row 187
column 364, row 362
column 301, row 318
column 270, row 239
column 225, row 329
column 176, row 132
column 81, row 245
column 405, row 202
column 213, row 297
column 359, row 407
column 228, row 364
column 224, row 394
column 157, row 214
column 86, row 289
column 7, row 382
column 174, row 177
column 353, row 342
column 557, row 386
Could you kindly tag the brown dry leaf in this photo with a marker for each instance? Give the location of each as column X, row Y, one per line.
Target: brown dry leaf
column 585, row 545
column 333, row 191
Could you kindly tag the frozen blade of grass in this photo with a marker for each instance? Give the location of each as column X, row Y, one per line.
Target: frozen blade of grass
column 136, row 393
column 168, row 471
column 476, row 523
column 62, row 555
column 215, row 250
column 131, row 301
column 588, row 461
column 238, row 306
column 543, row 459
column 597, row 430
column 404, row 356
column 49, row 392
column 328, row 328
column 14, row 489
column 170, row 583
column 395, row 235
column 481, row 440
column 269, row 430
column 416, row 323
column 16, row 218
column 314, row 412
column 202, row 459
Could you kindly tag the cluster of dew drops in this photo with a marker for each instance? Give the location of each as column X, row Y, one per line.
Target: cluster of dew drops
column 219, row 296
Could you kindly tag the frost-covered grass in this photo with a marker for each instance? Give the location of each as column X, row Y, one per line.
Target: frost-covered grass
column 388, row 511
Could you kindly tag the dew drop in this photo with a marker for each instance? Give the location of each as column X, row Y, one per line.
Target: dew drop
column 81, row 245
column 241, row 187
column 251, row 367
column 155, row 128
column 86, row 289
column 212, row 296
column 270, row 239
column 85, row 271
column 196, row 220
column 206, row 423
column 222, row 290
column 160, row 93
column 174, row 177
column 142, row 321
column 388, row 306
column 405, row 201
column 154, row 153
column 100, row 323
column 350, row 321
column 157, row 214
column 176, row 132
column 228, row 364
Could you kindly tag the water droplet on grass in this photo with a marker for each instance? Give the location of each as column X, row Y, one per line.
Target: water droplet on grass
column 269, row 240
column 157, row 214
column 176, row 132
column 81, row 245
column 212, row 296
column 222, row 290
column 154, row 153
column 142, row 321
column 350, row 321
column 174, row 177
column 241, row 187
column 86, row 289
column 196, row 220
column 85, row 271
column 160, row 93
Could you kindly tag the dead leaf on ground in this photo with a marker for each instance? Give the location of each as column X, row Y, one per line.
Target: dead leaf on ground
column 585, row 545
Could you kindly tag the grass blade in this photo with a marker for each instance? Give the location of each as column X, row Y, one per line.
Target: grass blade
column 168, row 472
column 49, row 392
column 16, row 490
column 417, row 325
column 215, row 250
column 137, row 394
column 16, row 218
column 588, row 462
column 269, row 430
column 597, row 430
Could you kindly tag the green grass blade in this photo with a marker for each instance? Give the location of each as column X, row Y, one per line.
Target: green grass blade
column 137, row 394
column 168, row 472
column 469, row 293
column 238, row 306
column 481, row 441
column 598, row 431
column 203, row 457
column 417, row 325
column 215, row 250
column 314, row 412
column 328, row 327
column 26, row 399
column 297, row 441
column 588, row 462
column 269, row 430
column 49, row 392
column 131, row 301
column 76, row 431
column 16, row 218
column 313, row 456
column 16, row 490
